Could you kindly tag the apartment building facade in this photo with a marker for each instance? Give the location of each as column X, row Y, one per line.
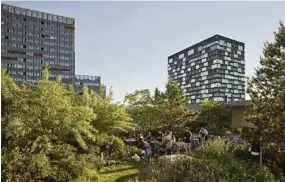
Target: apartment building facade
column 32, row 40
column 213, row 68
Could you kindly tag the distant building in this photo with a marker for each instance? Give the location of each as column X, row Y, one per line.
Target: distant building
column 92, row 82
column 213, row 68
column 31, row 39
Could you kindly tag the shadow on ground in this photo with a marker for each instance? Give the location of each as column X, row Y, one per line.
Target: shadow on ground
column 126, row 178
column 116, row 170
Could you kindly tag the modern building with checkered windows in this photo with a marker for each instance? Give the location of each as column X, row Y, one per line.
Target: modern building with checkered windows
column 213, row 68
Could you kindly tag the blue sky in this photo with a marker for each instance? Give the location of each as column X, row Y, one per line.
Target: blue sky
column 127, row 43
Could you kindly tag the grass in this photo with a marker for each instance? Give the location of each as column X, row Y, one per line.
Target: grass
column 122, row 172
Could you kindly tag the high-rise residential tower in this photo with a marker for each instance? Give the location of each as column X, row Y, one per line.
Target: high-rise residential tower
column 31, row 40
column 213, row 68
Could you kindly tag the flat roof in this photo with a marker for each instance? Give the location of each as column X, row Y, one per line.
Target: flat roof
column 37, row 14
column 205, row 40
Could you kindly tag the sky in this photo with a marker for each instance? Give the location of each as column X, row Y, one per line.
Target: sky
column 127, row 43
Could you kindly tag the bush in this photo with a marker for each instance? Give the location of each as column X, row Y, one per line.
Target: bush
column 183, row 170
column 51, row 134
column 215, row 148
column 272, row 157
column 225, row 131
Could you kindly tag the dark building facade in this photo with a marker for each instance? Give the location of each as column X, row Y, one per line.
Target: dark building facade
column 31, row 40
column 213, row 68
column 92, row 82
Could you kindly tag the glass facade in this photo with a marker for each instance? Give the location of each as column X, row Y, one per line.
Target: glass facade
column 213, row 68
column 32, row 40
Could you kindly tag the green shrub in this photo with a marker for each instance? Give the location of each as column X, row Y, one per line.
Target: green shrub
column 228, row 170
column 215, row 148
column 272, row 157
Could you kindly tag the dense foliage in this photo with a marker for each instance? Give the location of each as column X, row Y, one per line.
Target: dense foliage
column 185, row 169
column 213, row 115
column 267, row 91
column 51, row 134
column 162, row 110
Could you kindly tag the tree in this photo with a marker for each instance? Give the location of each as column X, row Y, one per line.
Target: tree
column 111, row 118
column 213, row 115
column 267, row 91
column 45, row 133
column 174, row 110
column 141, row 105
column 162, row 110
column 50, row 134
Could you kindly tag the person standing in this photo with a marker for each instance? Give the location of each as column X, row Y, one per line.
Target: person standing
column 188, row 139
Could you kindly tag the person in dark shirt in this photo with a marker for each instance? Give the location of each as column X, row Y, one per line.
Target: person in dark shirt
column 188, row 139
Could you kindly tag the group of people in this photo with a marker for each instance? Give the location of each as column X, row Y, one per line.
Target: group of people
column 188, row 137
column 145, row 141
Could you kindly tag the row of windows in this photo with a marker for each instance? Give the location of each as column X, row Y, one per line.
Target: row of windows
column 44, row 36
column 56, row 63
column 34, row 67
column 217, row 89
column 37, row 14
column 214, row 66
column 87, row 83
column 47, row 30
column 42, row 42
column 33, row 21
column 228, row 95
column 35, row 47
column 44, row 55
column 221, row 99
column 37, row 74
column 199, row 73
column 205, row 60
column 213, row 46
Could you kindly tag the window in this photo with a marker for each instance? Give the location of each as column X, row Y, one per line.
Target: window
column 190, row 51
column 181, row 56
column 240, row 47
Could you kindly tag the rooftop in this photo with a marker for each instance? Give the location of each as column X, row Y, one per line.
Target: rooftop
column 37, row 14
column 201, row 42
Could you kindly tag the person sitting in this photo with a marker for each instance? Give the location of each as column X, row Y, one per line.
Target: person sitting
column 168, row 137
column 203, row 134
column 149, row 137
column 160, row 136
column 146, row 148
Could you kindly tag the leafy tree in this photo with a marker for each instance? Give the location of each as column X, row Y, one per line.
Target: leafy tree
column 142, row 108
column 213, row 114
column 163, row 109
column 49, row 132
column 267, row 91
column 111, row 118
column 174, row 109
